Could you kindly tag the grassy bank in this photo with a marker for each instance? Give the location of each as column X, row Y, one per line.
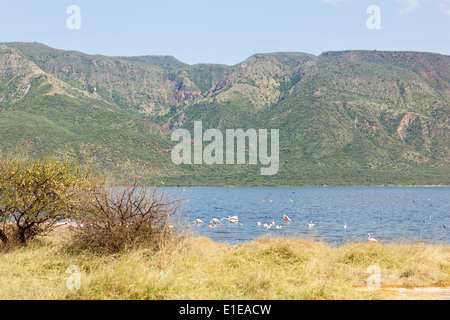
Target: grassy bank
column 197, row 268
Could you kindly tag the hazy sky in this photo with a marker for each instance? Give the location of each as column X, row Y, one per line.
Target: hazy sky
column 228, row 32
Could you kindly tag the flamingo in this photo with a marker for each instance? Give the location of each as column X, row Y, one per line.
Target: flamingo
column 278, row 227
column 197, row 221
column 272, row 223
column 71, row 223
column 215, row 225
column 266, row 226
column 214, row 221
column 344, row 226
column 285, row 217
column 258, row 223
column 232, row 219
column 371, row 239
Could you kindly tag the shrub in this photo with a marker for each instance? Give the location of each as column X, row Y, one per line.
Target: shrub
column 36, row 195
column 119, row 218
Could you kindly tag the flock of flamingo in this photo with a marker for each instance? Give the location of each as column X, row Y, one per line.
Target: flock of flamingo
column 215, row 223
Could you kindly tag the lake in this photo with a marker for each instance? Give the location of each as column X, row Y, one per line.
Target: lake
column 388, row 213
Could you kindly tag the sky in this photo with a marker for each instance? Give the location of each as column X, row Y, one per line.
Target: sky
column 227, row 32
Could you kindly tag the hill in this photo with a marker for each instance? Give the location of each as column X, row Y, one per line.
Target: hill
column 345, row 118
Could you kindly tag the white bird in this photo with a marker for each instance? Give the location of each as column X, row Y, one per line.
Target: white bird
column 278, row 227
column 214, row 221
column 266, row 226
column 371, row 239
column 232, row 219
column 197, row 221
column 258, row 223
column 272, row 224
column 344, row 226
column 312, row 224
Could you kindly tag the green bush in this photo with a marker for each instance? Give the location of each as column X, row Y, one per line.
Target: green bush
column 36, row 195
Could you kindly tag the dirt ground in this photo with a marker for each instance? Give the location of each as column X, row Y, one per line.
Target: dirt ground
column 435, row 293
column 431, row 293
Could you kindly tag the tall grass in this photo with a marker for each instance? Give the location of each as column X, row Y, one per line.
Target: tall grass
column 197, row 268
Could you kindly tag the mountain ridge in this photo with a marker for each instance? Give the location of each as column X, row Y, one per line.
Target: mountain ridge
column 351, row 117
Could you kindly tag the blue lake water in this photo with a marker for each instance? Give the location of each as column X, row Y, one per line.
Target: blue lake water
column 406, row 214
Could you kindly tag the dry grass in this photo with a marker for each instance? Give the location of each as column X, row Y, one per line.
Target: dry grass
column 197, row 268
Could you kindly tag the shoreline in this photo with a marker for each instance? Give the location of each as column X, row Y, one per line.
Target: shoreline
column 331, row 244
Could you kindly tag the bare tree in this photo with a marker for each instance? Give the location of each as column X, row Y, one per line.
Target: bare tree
column 117, row 218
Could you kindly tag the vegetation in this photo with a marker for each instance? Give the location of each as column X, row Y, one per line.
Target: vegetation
column 345, row 118
column 197, row 268
column 36, row 195
column 124, row 243
column 114, row 220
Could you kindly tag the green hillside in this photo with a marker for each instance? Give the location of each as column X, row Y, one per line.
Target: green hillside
column 345, row 118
